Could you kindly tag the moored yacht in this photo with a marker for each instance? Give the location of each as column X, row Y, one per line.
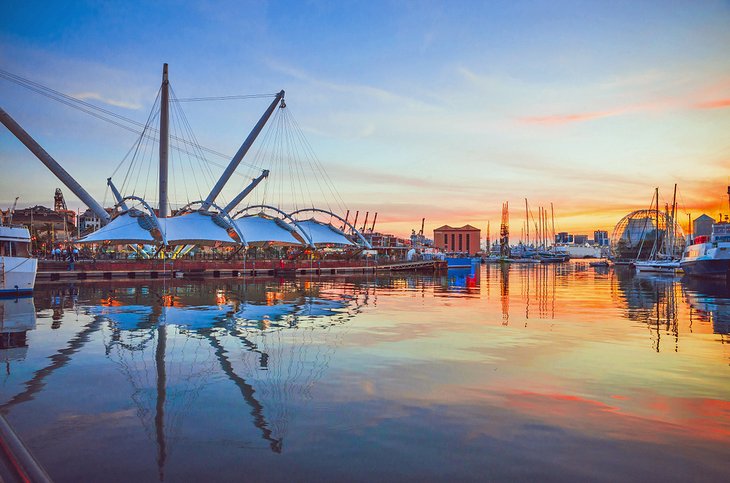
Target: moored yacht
column 709, row 256
column 660, row 266
column 17, row 267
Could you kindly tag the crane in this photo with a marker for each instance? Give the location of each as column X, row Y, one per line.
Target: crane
column 12, row 211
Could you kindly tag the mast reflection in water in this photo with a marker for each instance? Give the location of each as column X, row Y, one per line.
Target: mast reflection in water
column 540, row 371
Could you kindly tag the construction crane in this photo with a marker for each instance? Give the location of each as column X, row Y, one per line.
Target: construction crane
column 11, row 211
column 504, row 231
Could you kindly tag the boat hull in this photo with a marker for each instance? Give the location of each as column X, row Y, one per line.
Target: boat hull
column 714, row 268
column 657, row 267
column 18, row 275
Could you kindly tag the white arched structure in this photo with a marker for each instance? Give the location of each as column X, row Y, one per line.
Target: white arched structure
column 335, row 230
column 130, row 226
column 275, row 231
column 201, row 227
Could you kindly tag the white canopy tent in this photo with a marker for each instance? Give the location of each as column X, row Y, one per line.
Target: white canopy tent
column 323, row 233
column 258, row 229
column 197, row 228
column 129, row 227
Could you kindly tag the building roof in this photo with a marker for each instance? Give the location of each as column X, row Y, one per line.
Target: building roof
column 704, row 217
column 461, row 228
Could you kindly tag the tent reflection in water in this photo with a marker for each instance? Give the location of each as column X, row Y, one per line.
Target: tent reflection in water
column 272, row 343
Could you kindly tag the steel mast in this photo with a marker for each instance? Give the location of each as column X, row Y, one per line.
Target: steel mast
column 242, row 151
column 164, row 141
column 53, row 165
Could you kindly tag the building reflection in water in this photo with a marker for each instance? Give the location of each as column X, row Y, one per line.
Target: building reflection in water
column 271, row 340
column 455, row 282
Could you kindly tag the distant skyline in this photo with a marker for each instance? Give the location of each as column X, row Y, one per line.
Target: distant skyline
column 442, row 110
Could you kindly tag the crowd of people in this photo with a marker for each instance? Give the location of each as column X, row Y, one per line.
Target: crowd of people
column 71, row 254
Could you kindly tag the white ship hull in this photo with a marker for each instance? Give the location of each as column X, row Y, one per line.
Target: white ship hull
column 669, row 266
column 710, row 258
column 17, row 275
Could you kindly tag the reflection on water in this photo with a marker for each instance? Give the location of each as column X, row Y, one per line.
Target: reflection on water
column 709, row 301
column 17, row 317
column 174, row 378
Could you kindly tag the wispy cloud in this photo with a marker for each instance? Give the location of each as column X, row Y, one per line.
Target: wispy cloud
column 375, row 93
column 85, row 96
column 568, row 118
column 714, row 104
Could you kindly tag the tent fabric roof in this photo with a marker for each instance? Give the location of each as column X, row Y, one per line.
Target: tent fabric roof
column 125, row 228
column 194, row 229
column 322, row 233
column 257, row 229
column 198, row 228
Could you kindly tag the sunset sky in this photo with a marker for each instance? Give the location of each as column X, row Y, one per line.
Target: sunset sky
column 442, row 110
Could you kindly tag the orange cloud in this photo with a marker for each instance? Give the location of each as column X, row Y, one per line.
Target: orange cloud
column 567, row 118
column 716, row 104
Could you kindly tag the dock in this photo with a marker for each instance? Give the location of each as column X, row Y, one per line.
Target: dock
column 51, row 270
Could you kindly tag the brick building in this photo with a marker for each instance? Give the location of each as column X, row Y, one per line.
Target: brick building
column 460, row 240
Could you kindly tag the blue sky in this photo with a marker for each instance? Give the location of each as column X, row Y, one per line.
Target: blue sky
column 440, row 110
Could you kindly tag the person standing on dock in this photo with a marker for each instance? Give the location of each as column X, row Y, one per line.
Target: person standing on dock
column 71, row 258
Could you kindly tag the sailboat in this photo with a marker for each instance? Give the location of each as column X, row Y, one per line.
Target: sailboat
column 661, row 259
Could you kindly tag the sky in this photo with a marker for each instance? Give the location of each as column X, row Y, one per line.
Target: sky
column 412, row 109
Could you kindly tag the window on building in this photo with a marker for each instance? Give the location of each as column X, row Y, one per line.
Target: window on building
column 453, row 242
column 468, row 248
column 461, row 247
column 446, row 240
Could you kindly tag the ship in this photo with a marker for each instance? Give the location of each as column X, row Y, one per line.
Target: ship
column 17, row 267
column 709, row 256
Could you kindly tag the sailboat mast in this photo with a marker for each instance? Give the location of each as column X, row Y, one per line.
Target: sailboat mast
column 164, row 140
column 489, row 244
column 674, row 213
column 552, row 215
column 527, row 221
column 656, row 235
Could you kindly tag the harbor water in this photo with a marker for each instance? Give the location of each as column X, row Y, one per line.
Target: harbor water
column 538, row 372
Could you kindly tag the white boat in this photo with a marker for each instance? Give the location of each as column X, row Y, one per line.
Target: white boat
column 662, row 258
column 709, row 256
column 657, row 266
column 17, row 267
